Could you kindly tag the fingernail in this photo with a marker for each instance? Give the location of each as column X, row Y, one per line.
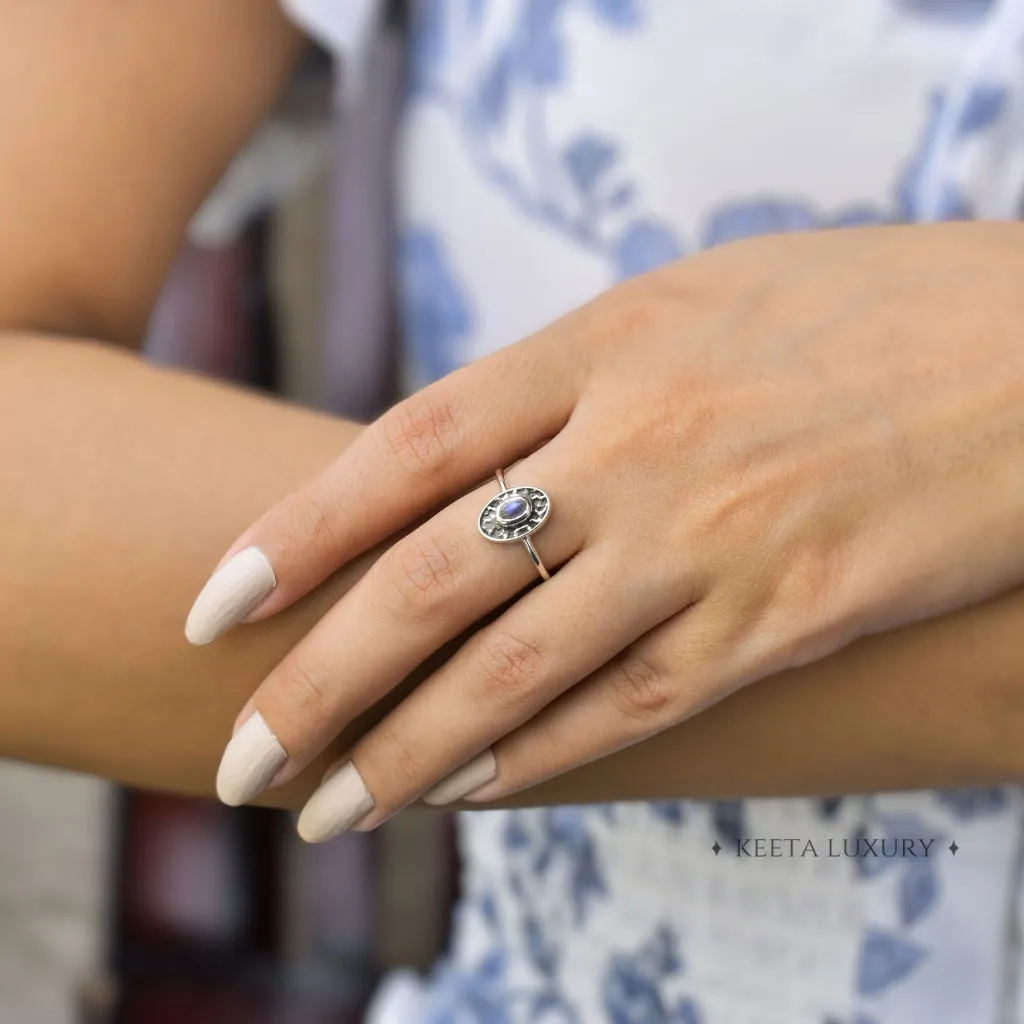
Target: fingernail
column 337, row 805
column 469, row 777
column 251, row 760
column 231, row 593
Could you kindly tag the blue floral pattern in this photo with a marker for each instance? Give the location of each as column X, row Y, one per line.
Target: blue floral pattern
column 500, row 94
column 632, row 985
column 437, row 313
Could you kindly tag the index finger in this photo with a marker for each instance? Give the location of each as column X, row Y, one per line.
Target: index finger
column 427, row 448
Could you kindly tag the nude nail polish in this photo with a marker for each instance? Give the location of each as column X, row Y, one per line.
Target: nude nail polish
column 470, row 776
column 340, row 802
column 234, row 591
column 250, row 762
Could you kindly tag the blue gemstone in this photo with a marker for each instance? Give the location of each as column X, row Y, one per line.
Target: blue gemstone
column 513, row 509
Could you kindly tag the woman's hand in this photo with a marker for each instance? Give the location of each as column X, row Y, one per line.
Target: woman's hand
column 753, row 456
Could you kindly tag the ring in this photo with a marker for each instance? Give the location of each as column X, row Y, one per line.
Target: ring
column 514, row 514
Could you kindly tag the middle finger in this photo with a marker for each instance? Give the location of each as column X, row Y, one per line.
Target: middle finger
column 424, row 591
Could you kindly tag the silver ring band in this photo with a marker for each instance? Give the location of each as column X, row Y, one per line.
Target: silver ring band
column 514, row 514
column 535, row 558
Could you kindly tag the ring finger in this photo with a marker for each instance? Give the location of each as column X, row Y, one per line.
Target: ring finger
column 504, row 675
column 424, row 591
column 672, row 673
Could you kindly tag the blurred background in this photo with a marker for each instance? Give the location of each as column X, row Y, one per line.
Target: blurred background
column 119, row 907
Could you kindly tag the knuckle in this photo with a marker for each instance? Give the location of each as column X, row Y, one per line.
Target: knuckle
column 638, row 689
column 809, row 580
column 423, row 573
column 644, row 315
column 319, row 521
column 510, row 669
column 421, row 434
column 645, row 433
column 811, row 592
column 305, row 690
column 549, row 748
column 403, row 763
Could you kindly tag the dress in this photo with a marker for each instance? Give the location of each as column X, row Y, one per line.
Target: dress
column 550, row 149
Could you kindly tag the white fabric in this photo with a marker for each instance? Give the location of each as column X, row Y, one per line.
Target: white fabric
column 280, row 157
column 283, row 155
column 552, row 148
column 344, row 27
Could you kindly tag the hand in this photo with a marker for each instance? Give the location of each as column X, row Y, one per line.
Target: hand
column 753, row 456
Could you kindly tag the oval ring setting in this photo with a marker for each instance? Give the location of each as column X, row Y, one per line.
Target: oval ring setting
column 515, row 513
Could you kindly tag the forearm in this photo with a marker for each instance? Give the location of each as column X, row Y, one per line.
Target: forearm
column 939, row 704
column 121, row 486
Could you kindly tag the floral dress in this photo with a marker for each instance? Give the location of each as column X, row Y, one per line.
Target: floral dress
column 550, row 149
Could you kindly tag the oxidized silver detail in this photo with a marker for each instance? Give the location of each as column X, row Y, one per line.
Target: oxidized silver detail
column 502, row 528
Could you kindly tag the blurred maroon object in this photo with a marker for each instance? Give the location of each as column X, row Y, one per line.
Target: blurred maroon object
column 199, row 321
column 197, row 928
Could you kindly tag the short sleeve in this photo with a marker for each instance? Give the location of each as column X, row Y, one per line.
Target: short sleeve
column 346, row 28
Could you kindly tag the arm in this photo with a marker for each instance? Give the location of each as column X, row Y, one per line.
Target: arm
column 121, row 485
column 117, row 120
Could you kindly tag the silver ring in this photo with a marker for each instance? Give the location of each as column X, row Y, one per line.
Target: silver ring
column 514, row 514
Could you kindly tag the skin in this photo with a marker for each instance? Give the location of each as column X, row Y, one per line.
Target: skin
column 129, row 482
column 121, row 484
column 757, row 455
column 101, row 179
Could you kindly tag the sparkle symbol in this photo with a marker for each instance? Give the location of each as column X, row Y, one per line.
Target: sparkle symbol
column 953, row 847
column 716, row 848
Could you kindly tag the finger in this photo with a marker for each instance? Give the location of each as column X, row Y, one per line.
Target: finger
column 544, row 643
column 672, row 673
column 428, row 448
column 424, row 591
